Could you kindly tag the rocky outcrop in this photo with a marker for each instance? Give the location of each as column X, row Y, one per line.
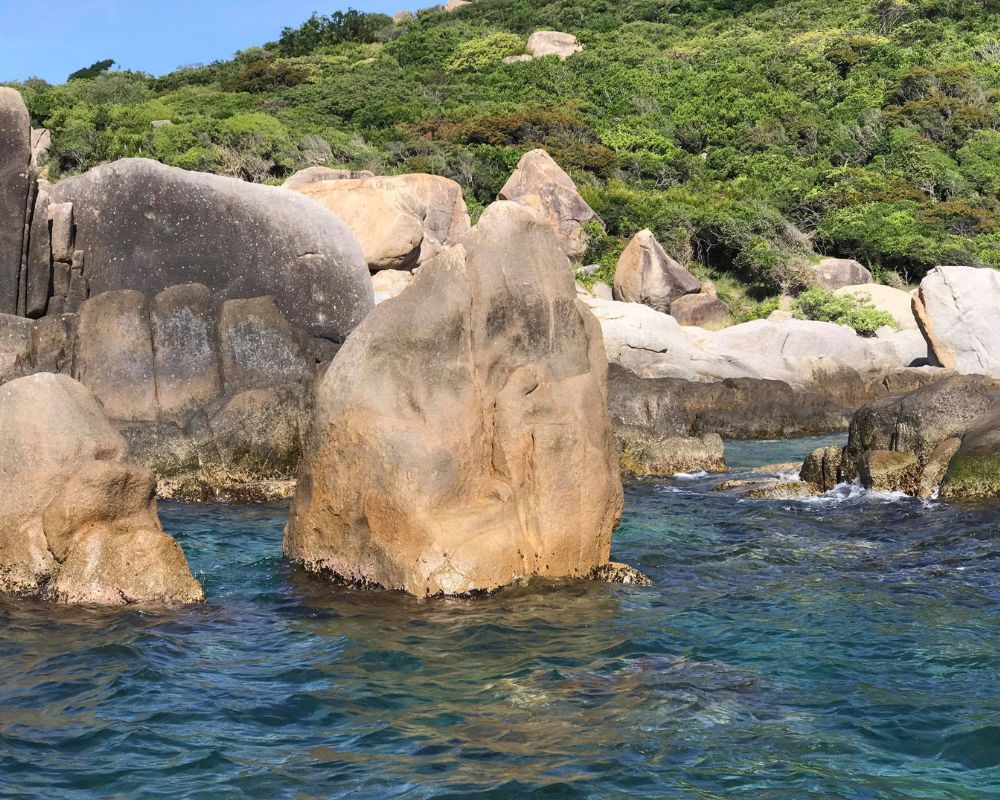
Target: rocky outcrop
column 835, row 273
column 78, row 521
column 553, row 43
column 541, row 184
column 956, row 308
column 401, row 221
column 907, row 443
column 702, row 310
column 454, row 5
column 16, row 185
column 143, row 226
column 973, row 471
column 824, row 468
column 460, row 440
column 646, row 274
column 214, row 397
column 884, row 298
column 309, row 175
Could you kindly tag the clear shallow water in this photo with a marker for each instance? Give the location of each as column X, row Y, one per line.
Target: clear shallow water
column 844, row 647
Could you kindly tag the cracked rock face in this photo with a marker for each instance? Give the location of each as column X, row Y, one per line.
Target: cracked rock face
column 144, row 226
column 15, row 183
column 461, row 439
column 78, row 521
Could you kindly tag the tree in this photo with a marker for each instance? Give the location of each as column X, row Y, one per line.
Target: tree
column 95, row 69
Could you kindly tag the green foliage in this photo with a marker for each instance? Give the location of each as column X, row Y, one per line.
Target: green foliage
column 485, row 52
column 743, row 134
column 92, row 71
column 823, row 306
column 340, row 26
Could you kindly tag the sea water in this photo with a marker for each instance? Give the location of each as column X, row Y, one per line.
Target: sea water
column 840, row 647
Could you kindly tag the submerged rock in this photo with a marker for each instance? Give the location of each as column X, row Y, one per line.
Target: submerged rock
column 78, row 521
column 460, row 439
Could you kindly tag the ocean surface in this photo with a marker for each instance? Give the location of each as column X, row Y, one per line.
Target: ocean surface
column 841, row 647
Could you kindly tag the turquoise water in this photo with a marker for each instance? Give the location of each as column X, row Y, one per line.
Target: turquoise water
column 846, row 647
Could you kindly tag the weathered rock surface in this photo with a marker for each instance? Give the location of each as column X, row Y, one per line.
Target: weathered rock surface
column 144, row 226
column 885, row 298
column 15, row 192
column 924, row 429
column 553, row 43
column 401, row 221
column 460, row 439
column 824, row 468
column 78, row 521
column 646, row 274
column 389, row 283
column 958, row 309
column 974, row 470
column 834, row 273
column 15, row 347
column 540, row 183
column 316, row 174
column 701, row 310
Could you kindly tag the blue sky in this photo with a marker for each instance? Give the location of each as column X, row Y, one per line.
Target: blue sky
column 56, row 37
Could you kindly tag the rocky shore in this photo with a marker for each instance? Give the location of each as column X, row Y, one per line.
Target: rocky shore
column 450, row 411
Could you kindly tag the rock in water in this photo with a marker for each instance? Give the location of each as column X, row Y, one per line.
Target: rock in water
column 974, row 472
column 15, row 180
column 461, row 438
column 144, row 226
column 646, row 274
column 401, row 221
column 540, row 183
column 78, row 520
column 957, row 308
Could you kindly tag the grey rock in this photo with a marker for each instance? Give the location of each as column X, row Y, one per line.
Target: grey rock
column 15, row 183
column 186, row 353
column 114, row 354
column 145, row 226
column 39, row 278
column 259, row 348
column 15, row 346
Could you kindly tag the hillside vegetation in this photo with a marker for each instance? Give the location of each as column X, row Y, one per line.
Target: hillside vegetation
column 749, row 136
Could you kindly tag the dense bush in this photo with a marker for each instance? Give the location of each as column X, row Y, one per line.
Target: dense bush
column 747, row 135
column 823, row 306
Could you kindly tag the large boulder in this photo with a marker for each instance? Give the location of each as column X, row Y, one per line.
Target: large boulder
column 540, row 183
column 958, row 310
column 316, row 174
column 834, row 273
column 15, row 346
column 145, row 226
column 78, row 521
column 15, row 192
column 460, row 439
column 401, row 221
column 553, row 43
column 702, row 310
column 646, row 274
column 917, row 424
column 974, row 470
column 884, row 298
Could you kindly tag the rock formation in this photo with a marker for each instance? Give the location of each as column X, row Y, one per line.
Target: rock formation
column 909, row 443
column 460, row 439
column 541, row 184
column 553, row 43
column 214, row 397
column 78, row 520
column 16, row 184
column 702, row 310
column 834, row 273
column 957, row 309
column 401, row 221
column 646, row 274
column 144, row 226
column 318, row 174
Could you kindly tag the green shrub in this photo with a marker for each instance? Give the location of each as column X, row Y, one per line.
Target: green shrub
column 486, row 52
column 823, row 306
